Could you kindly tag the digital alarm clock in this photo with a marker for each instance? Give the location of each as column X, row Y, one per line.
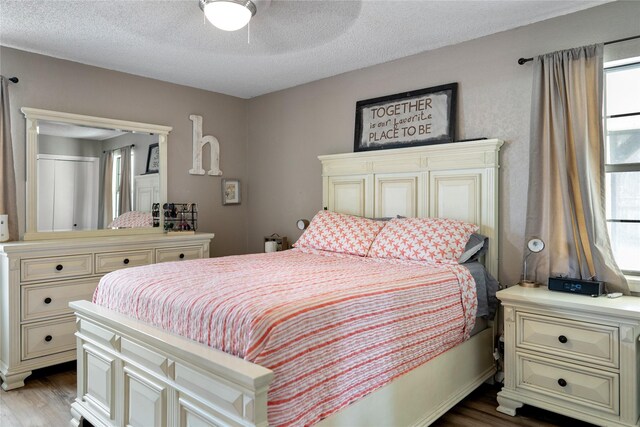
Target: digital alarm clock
column 576, row 286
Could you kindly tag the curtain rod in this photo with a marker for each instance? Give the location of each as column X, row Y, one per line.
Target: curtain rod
column 523, row 61
column 107, row 151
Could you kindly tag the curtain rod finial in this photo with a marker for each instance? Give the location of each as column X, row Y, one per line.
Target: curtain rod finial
column 523, row 61
column 14, row 79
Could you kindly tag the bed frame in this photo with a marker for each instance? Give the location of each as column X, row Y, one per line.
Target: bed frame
column 133, row 374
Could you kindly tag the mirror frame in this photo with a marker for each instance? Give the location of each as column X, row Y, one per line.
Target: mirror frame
column 32, row 116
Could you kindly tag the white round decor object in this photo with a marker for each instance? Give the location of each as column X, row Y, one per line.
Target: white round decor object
column 535, row 245
column 302, row 224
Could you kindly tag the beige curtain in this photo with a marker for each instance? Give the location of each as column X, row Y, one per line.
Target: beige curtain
column 107, row 189
column 125, row 180
column 8, row 203
column 566, row 206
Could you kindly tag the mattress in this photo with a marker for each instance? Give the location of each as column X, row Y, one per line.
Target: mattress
column 332, row 328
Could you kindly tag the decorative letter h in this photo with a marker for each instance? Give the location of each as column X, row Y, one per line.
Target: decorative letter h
column 198, row 144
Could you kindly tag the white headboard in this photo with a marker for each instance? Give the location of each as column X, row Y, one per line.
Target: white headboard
column 457, row 180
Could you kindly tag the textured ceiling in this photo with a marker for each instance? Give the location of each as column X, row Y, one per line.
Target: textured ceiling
column 68, row 130
column 291, row 42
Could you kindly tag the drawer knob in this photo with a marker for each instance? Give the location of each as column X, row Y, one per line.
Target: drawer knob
column 48, row 338
column 47, row 300
column 562, row 382
column 562, row 339
column 126, row 261
column 59, row 267
column 181, row 256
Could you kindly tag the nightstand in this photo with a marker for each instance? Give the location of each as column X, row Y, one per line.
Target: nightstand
column 571, row 354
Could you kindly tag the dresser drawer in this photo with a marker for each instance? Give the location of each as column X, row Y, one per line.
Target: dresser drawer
column 589, row 389
column 111, row 261
column 581, row 341
column 39, row 301
column 178, row 254
column 53, row 268
column 45, row 338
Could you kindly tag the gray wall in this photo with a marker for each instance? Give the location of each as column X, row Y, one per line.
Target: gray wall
column 140, row 151
column 60, row 85
column 275, row 154
column 49, row 144
column 290, row 128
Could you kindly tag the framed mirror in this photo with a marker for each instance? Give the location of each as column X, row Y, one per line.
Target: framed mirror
column 89, row 176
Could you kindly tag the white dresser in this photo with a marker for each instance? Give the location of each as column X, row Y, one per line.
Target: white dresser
column 571, row 354
column 38, row 280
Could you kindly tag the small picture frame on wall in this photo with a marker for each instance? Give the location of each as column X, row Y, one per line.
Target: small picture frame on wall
column 153, row 159
column 230, row 191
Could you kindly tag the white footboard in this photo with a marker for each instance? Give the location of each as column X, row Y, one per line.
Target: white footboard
column 133, row 374
column 130, row 373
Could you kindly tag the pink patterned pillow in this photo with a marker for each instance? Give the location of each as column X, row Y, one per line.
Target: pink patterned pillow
column 438, row 240
column 133, row 219
column 331, row 231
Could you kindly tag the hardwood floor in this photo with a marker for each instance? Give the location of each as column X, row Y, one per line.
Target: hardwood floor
column 479, row 410
column 45, row 400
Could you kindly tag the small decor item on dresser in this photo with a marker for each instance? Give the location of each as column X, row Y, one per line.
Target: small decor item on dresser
column 420, row 117
column 534, row 245
column 153, row 159
column 178, row 217
column 230, row 191
column 155, row 214
column 275, row 243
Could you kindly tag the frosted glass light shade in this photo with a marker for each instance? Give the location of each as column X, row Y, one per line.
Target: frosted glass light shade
column 229, row 15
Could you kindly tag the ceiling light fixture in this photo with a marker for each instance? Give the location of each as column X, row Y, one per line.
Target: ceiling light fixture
column 228, row 15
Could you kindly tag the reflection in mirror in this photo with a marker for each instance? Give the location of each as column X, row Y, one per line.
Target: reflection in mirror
column 91, row 178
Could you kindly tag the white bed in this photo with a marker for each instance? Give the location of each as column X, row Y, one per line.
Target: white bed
column 130, row 373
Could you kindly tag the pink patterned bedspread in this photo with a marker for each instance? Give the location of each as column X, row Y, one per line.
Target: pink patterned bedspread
column 332, row 328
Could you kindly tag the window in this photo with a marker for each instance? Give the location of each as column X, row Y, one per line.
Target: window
column 117, row 162
column 117, row 177
column 622, row 161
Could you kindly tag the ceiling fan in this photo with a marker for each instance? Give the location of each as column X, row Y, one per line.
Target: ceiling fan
column 228, row 15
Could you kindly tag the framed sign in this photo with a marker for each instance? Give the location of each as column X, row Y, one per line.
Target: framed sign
column 153, row 159
column 420, row 117
column 230, row 191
